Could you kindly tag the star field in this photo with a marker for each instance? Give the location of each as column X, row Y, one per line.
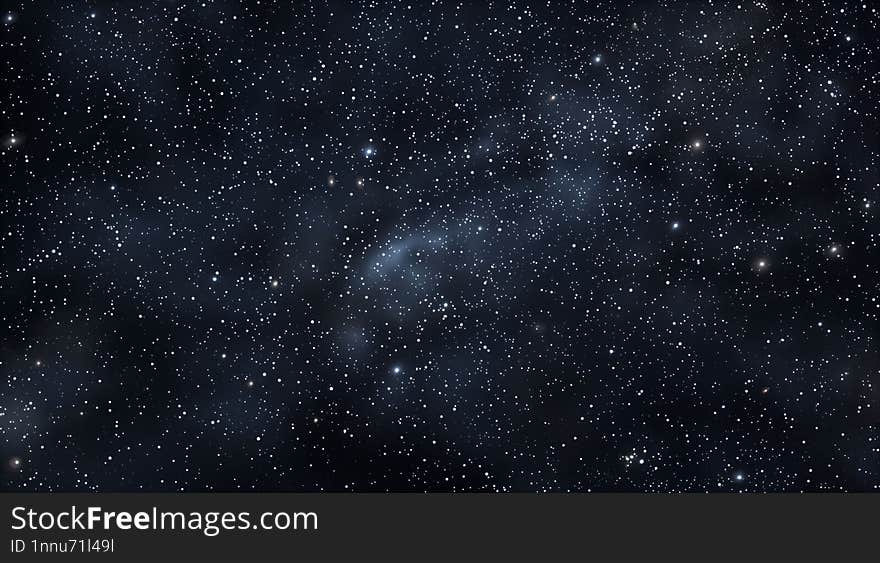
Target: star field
column 431, row 246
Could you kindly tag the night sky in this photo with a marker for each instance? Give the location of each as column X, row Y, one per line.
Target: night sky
column 428, row 246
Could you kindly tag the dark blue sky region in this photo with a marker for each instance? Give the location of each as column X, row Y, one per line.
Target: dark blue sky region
column 430, row 246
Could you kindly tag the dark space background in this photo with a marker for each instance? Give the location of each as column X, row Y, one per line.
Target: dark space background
column 430, row 246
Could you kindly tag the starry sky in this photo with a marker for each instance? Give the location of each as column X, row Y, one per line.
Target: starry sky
column 431, row 246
